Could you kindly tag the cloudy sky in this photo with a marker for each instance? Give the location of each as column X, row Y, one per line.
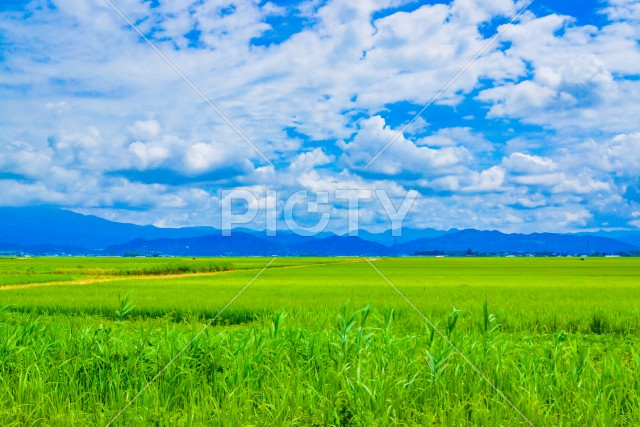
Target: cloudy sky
column 541, row 133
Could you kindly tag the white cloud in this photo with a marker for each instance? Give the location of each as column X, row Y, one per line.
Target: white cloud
column 402, row 156
column 518, row 99
column 309, row 160
column 84, row 113
column 144, row 129
column 619, row 155
column 623, row 10
column 521, row 163
column 491, row 179
column 576, row 79
column 463, row 136
column 25, row 158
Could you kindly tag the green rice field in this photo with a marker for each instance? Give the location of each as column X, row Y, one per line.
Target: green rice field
column 320, row 341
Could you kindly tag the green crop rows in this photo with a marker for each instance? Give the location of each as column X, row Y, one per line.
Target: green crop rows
column 320, row 342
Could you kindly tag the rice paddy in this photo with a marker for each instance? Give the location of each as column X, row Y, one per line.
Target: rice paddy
column 320, row 341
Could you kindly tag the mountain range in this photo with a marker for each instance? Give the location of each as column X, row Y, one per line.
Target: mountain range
column 48, row 230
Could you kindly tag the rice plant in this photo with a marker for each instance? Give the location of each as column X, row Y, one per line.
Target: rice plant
column 347, row 351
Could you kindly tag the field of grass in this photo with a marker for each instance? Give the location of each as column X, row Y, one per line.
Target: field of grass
column 20, row 271
column 321, row 342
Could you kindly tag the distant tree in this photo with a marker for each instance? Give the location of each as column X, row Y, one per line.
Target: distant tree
column 469, row 252
column 431, row 253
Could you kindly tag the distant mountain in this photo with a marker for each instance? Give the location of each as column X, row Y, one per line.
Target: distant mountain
column 282, row 237
column 497, row 242
column 47, row 230
column 339, row 246
column 454, row 243
column 631, row 237
column 239, row 244
column 41, row 249
column 51, row 226
column 407, row 234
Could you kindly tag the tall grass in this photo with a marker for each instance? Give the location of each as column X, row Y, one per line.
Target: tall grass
column 150, row 270
column 18, row 271
column 364, row 369
column 559, row 339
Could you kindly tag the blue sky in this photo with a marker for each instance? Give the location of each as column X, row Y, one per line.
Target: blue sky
column 538, row 134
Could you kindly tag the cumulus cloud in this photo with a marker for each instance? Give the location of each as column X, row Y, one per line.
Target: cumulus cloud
column 623, row 10
column 540, row 132
column 402, row 156
column 576, row 79
column 521, row 163
column 621, row 155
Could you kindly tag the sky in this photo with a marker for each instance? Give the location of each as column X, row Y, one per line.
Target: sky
column 540, row 133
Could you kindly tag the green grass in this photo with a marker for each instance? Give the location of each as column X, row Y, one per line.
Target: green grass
column 327, row 342
column 19, row 271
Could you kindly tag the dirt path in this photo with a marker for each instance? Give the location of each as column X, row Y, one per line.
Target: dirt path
column 91, row 281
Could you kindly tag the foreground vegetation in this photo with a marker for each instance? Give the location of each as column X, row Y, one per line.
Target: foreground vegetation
column 329, row 342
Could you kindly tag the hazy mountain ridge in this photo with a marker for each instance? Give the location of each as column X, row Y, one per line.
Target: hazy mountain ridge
column 630, row 237
column 210, row 245
column 26, row 226
column 497, row 242
column 46, row 230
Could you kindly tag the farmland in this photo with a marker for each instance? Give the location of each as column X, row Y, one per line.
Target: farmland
column 320, row 341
